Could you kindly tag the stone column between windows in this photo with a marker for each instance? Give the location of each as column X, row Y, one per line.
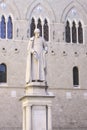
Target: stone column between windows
column 36, row 22
column 71, row 32
column 77, row 33
column 6, row 21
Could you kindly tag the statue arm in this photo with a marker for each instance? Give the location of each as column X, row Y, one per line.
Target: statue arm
column 32, row 51
column 30, row 46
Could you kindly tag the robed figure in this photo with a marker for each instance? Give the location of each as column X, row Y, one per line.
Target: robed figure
column 36, row 61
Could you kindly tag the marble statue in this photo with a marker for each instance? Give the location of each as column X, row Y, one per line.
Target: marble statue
column 36, row 61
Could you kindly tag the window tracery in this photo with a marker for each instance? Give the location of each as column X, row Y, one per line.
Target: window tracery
column 43, row 26
column 74, row 34
column 6, row 28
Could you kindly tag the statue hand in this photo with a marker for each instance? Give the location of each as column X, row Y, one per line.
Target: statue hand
column 35, row 55
column 32, row 51
column 45, row 51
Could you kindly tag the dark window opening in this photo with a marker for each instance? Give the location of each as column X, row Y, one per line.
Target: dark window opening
column 46, row 30
column 3, row 73
column 3, row 28
column 74, row 35
column 75, row 76
column 80, row 33
column 9, row 28
column 67, row 33
column 32, row 27
column 39, row 25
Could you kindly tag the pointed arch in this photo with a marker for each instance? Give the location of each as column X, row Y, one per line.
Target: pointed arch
column 74, row 32
column 39, row 25
column 3, row 27
column 45, row 5
column 12, row 7
column 46, row 30
column 77, row 5
column 9, row 28
column 32, row 27
column 67, row 32
column 80, row 32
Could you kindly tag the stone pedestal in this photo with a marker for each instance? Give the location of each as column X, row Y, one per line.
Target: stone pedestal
column 37, row 105
column 36, row 88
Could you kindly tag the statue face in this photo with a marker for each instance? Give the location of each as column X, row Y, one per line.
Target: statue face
column 37, row 34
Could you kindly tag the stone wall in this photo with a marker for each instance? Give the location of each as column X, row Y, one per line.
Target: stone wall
column 70, row 104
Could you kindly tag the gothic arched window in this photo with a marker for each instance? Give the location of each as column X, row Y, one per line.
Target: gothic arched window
column 80, row 33
column 32, row 27
column 3, row 27
column 3, row 73
column 9, row 28
column 74, row 33
column 67, row 32
column 75, row 76
column 46, row 30
column 39, row 25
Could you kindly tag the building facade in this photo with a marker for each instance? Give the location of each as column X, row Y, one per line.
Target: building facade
column 63, row 24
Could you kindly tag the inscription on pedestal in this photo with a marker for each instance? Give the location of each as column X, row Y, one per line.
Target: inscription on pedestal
column 39, row 118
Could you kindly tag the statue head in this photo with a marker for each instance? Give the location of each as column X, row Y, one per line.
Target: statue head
column 37, row 32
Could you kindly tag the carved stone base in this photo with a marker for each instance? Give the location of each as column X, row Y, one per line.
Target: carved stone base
column 37, row 107
column 36, row 88
column 37, row 112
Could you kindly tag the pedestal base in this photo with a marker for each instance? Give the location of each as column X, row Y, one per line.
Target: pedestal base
column 36, row 88
column 37, row 108
column 37, row 113
column 36, row 105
